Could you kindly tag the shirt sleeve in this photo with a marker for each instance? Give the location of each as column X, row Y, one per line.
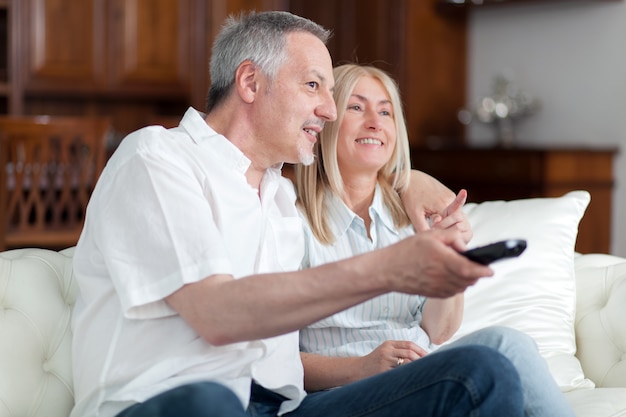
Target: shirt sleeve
column 157, row 231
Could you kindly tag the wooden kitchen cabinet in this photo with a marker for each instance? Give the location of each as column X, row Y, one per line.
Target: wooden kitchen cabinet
column 506, row 174
column 123, row 47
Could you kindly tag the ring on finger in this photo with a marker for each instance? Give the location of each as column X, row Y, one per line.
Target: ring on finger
column 400, row 362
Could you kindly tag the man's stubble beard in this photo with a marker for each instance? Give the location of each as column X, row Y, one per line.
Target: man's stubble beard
column 305, row 156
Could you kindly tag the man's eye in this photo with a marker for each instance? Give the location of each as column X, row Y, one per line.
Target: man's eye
column 313, row 84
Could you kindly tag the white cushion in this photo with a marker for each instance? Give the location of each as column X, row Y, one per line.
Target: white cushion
column 599, row 402
column 536, row 292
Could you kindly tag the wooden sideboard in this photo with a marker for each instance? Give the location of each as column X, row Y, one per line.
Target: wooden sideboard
column 506, row 174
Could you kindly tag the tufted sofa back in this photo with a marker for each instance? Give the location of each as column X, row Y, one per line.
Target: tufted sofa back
column 37, row 292
column 600, row 315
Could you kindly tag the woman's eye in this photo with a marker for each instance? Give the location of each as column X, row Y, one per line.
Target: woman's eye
column 356, row 107
column 313, row 84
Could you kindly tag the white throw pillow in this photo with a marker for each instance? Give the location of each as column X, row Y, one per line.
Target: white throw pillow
column 535, row 293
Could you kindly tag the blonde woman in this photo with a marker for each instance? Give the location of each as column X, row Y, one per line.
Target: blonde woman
column 350, row 199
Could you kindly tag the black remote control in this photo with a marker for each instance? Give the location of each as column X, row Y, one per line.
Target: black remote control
column 496, row 251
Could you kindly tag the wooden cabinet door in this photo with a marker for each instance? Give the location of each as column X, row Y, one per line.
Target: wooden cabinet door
column 63, row 44
column 150, row 44
column 108, row 46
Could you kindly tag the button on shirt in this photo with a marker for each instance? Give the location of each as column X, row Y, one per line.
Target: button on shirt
column 172, row 207
column 359, row 330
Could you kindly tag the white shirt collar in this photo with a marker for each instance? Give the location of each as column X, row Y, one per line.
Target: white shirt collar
column 345, row 217
column 198, row 129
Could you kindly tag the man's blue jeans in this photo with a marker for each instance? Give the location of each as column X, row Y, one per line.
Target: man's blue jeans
column 462, row 381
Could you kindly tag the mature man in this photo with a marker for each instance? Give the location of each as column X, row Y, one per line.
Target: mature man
column 190, row 299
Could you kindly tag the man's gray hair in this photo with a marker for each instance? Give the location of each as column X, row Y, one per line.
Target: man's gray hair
column 259, row 38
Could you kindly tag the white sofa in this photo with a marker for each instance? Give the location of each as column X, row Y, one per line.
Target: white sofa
column 37, row 291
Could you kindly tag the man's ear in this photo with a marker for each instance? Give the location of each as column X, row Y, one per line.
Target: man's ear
column 246, row 81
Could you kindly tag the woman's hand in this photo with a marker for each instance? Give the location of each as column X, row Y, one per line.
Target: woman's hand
column 324, row 372
column 424, row 198
column 430, row 204
column 390, row 354
column 453, row 216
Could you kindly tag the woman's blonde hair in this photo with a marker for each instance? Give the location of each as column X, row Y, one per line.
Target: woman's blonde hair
column 314, row 180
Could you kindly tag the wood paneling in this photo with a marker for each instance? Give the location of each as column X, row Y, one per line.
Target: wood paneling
column 107, row 46
column 150, row 47
column 63, row 44
column 508, row 174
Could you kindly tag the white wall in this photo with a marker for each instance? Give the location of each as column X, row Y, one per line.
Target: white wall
column 570, row 54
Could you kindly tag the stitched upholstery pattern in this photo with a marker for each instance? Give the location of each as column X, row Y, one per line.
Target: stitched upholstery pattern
column 37, row 291
column 600, row 318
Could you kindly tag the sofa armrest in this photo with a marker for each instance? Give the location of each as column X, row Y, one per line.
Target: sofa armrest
column 600, row 313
